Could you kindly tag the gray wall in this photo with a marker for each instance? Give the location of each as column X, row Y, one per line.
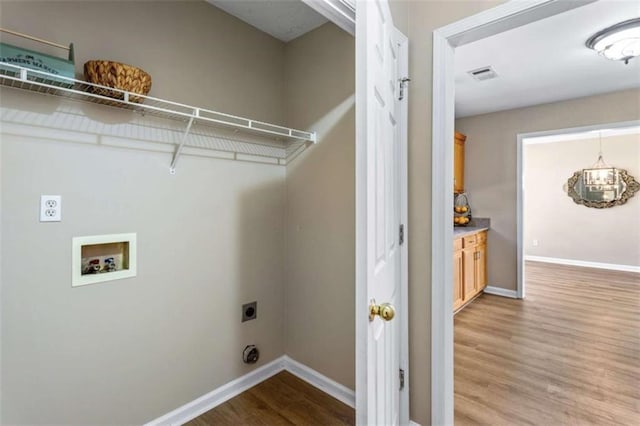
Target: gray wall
column 320, row 268
column 490, row 162
column 567, row 230
column 209, row 238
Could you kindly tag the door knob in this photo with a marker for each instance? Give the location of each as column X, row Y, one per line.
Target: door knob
column 386, row 311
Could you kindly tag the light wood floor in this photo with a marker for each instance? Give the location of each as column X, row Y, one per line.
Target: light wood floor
column 281, row 400
column 567, row 354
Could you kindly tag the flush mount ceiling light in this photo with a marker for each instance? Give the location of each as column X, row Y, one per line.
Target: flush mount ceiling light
column 620, row 42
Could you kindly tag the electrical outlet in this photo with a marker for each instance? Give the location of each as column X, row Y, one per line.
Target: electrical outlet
column 535, row 243
column 249, row 311
column 50, row 208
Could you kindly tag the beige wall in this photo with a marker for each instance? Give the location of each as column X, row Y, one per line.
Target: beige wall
column 490, row 163
column 320, row 267
column 209, row 238
column 423, row 18
column 128, row 351
column 566, row 230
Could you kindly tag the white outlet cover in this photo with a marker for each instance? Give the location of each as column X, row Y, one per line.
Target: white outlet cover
column 50, row 208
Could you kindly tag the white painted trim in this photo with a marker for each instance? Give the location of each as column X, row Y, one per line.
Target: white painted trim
column 499, row 291
column 509, row 15
column 593, row 134
column 412, row 423
column 403, row 317
column 467, row 30
column 361, row 302
column 584, row 263
column 201, row 405
column 320, row 381
column 338, row 12
column 520, row 192
column 442, row 233
column 522, row 140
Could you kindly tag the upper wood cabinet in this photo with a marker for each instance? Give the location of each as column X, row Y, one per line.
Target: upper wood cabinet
column 458, row 162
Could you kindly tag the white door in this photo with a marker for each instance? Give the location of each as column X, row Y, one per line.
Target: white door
column 378, row 216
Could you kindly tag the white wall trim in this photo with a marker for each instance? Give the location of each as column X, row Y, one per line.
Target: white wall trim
column 338, row 12
column 195, row 408
column 320, row 381
column 441, row 345
column 584, row 263
column 499, row 291
column 403, row 317
column 592, row 134
column 201, row 405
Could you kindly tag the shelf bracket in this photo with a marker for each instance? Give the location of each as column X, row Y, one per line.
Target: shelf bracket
column 176, row 155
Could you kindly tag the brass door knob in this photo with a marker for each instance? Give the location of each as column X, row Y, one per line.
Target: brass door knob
column 386, row 311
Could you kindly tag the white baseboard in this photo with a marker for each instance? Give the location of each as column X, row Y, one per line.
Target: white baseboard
column 320, row 381
column 571, row 262
column 216, row 397
column 412, row 423
column 199, row 406
column 499, row 291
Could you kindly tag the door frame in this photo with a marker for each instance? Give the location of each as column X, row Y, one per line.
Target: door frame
column 403, row 317
column 521, row 189
column 339, row 12
column 493, row 21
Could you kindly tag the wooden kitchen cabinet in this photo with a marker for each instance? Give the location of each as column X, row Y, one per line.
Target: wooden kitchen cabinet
column 458, row 162
column 469, row 268
column 469, row 273
column 458, row 274
column 481, row 262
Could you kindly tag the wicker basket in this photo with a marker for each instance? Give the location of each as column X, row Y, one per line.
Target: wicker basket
column 119, row 76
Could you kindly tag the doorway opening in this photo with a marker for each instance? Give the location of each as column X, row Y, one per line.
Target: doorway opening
column 562, row 231
column 481, row 26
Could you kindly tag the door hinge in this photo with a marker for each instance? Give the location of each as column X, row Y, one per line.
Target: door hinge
column 401, row 379
column 403, row 83
column 401, row 235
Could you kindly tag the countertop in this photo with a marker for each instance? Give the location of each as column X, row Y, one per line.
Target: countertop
column 463, row 231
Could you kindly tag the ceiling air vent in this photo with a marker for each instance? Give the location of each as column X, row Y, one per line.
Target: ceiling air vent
column 484, row 73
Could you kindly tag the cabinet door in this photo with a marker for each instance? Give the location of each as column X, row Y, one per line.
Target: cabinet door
column 458, row 163
column 458, row 283
column 481, row 266
column 469, row 272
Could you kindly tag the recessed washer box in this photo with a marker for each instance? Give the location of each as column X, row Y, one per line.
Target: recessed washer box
column 100, row 258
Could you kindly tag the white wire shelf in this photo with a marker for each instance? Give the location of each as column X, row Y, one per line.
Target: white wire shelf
column 288, row 139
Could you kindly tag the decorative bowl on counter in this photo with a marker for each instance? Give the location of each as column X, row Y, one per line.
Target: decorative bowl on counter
column 119, row 76
column 461, row 210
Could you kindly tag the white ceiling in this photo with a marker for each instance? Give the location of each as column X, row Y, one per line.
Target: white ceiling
column 545, row 61
column 283, row 19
